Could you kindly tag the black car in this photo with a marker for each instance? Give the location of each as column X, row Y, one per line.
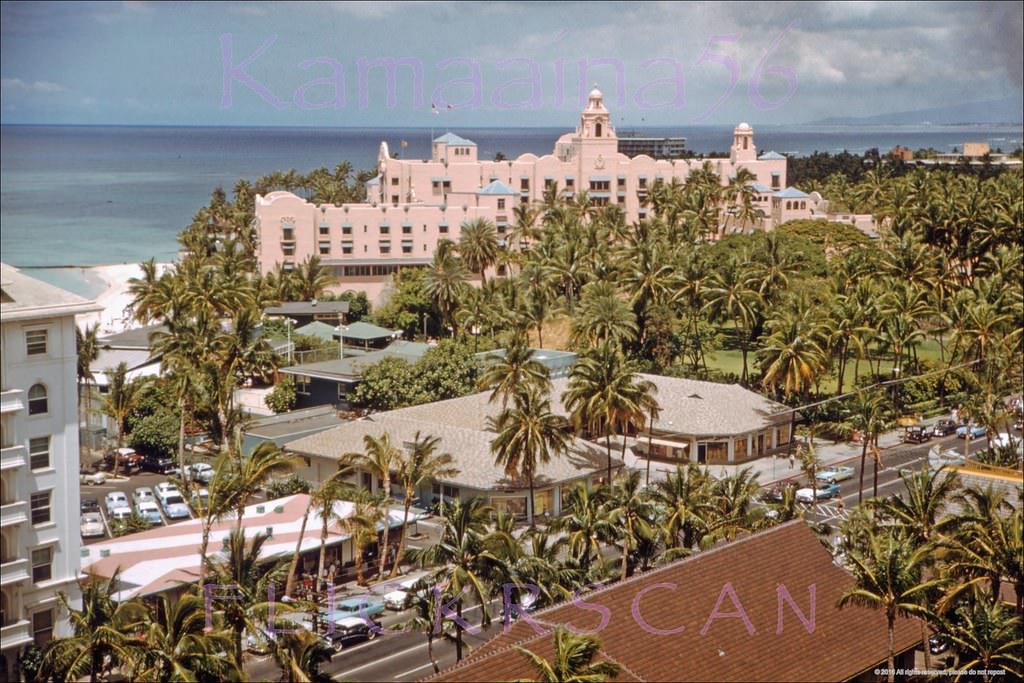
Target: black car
column 90, row 505
column 351, row 629
column 937, row 644
column 918, row 435
column 160, row 464
column 944, row 428
column 776, row 494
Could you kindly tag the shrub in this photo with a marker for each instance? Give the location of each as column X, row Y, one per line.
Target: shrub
column 156, row 433
column 282, row 397
column 288, row 487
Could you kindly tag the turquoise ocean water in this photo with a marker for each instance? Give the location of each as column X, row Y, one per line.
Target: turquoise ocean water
column 90, row 195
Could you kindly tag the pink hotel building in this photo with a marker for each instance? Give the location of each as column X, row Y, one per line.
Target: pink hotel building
column 412, row 204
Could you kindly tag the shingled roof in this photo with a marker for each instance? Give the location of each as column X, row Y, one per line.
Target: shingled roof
column 818, row 643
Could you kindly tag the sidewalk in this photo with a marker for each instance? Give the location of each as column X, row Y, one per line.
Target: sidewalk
column 775, row 468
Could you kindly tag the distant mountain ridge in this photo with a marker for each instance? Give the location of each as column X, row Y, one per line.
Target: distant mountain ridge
column 1005, row 110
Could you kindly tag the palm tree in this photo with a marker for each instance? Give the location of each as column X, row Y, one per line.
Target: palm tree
column 381, row 458
column 178, row 646
column 513, row 373
column 927, row 494
column 584, row 524
column 572, row 661
column 122, row 395
column 101, row 629
column 251, row 578
column 989, row 552
column 420, row 465
column 600, row 387
column 731, row 297
column 467, row 562
column 685, row 497
column 986, row 637
column 791, row 356
column 252, row 473
column 446, row 280
column 424, row 599
column 630, row 512
column 866, row 414
column 324, row 498
column 603, row 318
column 528, row 435
column 343, row 472
column 311, row 279
column 88, row 348
column 300, row 656
column 478, row 245
column 888, row 577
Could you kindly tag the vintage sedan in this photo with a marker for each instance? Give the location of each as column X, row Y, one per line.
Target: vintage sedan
column 976, row 431
column 822, row 491
column 92, row 525
column 834, row 473
column 347, row 630
column 944, row 428
column 917, row 434
column 150, row 512
column 359, row 607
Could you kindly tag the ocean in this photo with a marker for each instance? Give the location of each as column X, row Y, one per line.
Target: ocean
column 93, row 195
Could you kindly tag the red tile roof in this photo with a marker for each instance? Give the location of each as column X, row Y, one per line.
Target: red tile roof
column 731, row 607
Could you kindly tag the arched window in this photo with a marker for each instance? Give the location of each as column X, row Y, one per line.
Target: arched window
column 746, row 141
column 597, row 130
column 37, row 401
column 789, row 205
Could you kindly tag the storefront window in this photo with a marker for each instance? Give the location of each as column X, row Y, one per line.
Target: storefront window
column 741, row 448
column 543, row 503
column 514, row 506
column 783, row 435
column 718, row 452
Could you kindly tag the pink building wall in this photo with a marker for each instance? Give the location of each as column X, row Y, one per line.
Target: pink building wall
column 412, row 204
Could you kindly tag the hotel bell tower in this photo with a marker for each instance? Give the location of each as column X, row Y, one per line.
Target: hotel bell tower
column 743, row 144
column 595, row 122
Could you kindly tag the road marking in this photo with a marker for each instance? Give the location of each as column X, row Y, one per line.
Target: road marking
column 412, row 671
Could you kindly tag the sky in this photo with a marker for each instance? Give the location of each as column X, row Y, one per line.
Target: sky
column 498, row 63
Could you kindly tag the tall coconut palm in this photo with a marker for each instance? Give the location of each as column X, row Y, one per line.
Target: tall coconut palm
column 601, row 384
column 573, row 660
column 630, row 510
column 243, row 566
column 422, row 464
column 381, row 459
column 685, row 496
column 791, row 356
column 467, row 562
column 424, row 599
column 103, row 632
column 603, row 318
column 868, row 415
column 919, row 511
column 179, row 647
column 528, row 435
column 987, row 638
column 730, row 296
column 478, row 245
column 324, row 498
column 514, row 372
column 87, row 346
column 344, row 472
column 254, row 471
column 888, row 577
column 446, row 280
column 122, row 396
column 311, row 279
column 300, row 656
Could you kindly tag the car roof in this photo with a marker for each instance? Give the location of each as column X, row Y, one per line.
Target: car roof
column 358, row 600
column 349, row 622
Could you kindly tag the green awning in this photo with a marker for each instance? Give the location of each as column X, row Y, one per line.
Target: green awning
column 364, row 331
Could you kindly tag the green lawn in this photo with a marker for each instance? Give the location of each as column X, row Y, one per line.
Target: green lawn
column 731, row 360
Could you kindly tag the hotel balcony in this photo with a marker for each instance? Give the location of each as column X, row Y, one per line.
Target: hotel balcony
column 14, row 571
column 13, row 513
column 16, row 634
column 12, row 400
column 12, row 457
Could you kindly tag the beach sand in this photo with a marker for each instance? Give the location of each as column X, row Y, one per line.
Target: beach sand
column 116, row 300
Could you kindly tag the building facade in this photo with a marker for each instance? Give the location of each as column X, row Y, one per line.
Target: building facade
column 413, row 203
column 39, row 501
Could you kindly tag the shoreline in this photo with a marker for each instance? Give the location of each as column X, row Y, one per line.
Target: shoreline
column 115, row 299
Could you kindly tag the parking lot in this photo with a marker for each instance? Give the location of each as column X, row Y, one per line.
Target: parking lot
column 126, row 486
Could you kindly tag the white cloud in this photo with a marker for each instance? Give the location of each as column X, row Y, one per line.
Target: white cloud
column 39, row 87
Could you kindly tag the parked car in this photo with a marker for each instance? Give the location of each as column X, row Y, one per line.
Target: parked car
column 116, row 500
column 398, row 599
column 822, row 491
column 149, row 511
column 92, row 525
column 200, row 499
column 174, row 505
column 166, row 487
column 351, row 629
column 93, row 478
column 937, row 644
column 834, row 473
column 161, row 464
column 359, row 607
column 119, row 514
column 89, row 505
column 126, row 459
column 944, row 428
column 977, row 431
column 200, row 471
column 917, row 434
column 143, row 494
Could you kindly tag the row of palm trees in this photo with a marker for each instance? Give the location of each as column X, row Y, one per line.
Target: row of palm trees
column 941, row 552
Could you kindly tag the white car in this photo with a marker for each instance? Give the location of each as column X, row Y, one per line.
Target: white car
column 116, row 500
column 200, row 499
column 398, row 599
column 94, row 478
column 143, row 494
column 119, row 514
column 201, row 472
column 165, row 488
column 173, row 504
column 92, row 525
column 822, row 490
column 149, row 511
column 834, row 473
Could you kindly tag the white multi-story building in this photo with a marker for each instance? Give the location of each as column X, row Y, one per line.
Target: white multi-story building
column 39, row 462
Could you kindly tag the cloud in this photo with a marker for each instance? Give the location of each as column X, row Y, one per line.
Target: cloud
column 38, row 87
column 248, row 10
